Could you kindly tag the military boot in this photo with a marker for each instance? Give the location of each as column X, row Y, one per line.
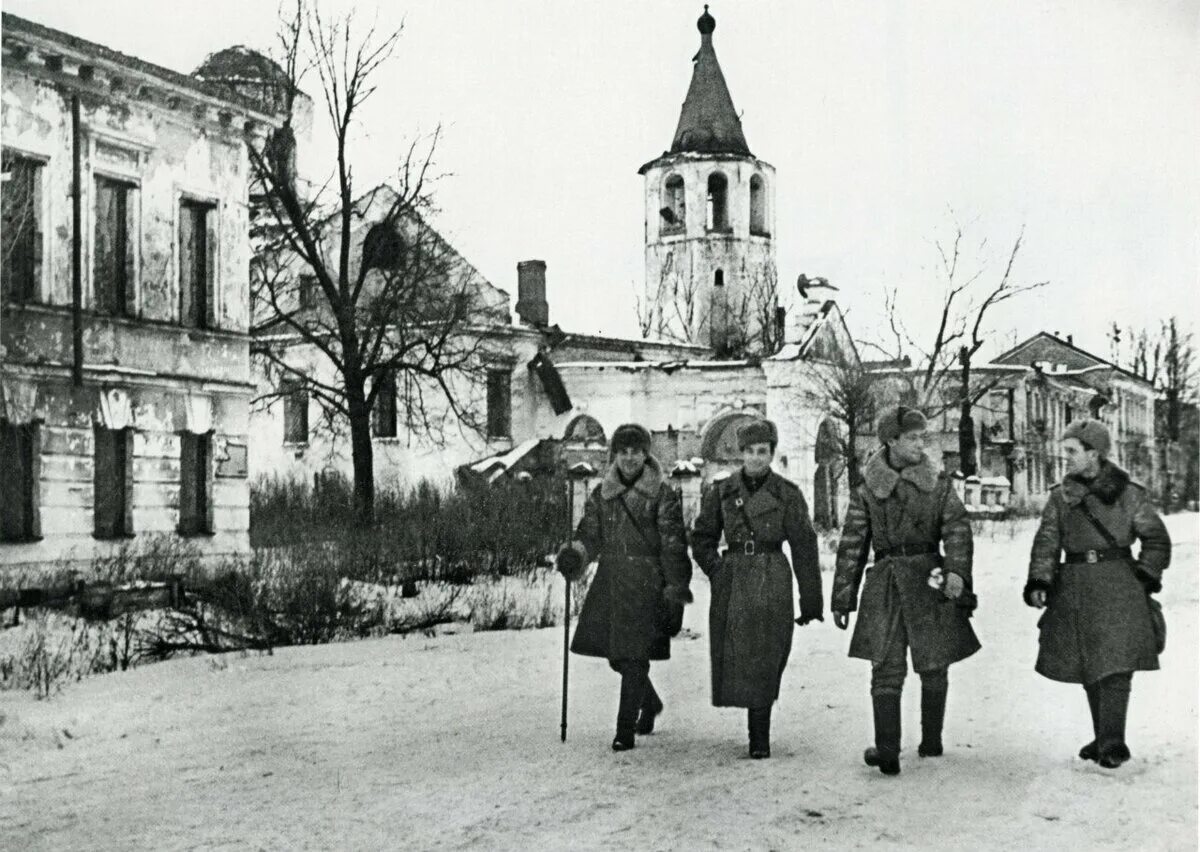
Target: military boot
column 933, row 714
column 758, row 721
column 886, row 752
column 651, row 706
column 1091, row 751
column 1114, row 703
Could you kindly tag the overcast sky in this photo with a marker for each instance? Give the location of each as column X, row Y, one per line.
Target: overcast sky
column 1080, row 121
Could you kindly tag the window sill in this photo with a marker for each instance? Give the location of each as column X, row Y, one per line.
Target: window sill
column 724, row 232
column 195, row 533
column 114, row 537
column 33, row 539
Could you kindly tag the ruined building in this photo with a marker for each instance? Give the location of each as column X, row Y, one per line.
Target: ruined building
column 124, row 316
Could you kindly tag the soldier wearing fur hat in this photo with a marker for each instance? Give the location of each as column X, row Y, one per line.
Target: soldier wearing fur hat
column 1098, row 627
column 751, row 617
column 918, row 592
column 633, row 524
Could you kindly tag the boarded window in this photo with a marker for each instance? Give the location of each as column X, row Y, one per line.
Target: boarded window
column 383, row 415
column 295, row 411
column 499, row 404
column 21, row 229
column 113, row 255
column 20, row 460
column 113, row 483
column 195, row 484
column 197, row 255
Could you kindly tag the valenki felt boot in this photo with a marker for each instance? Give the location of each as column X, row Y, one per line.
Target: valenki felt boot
column 885, row 754
column 1114, row 704
column 758, row 721
column 933, row 715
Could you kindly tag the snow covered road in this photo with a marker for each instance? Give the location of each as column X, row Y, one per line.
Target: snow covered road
column 452, row 742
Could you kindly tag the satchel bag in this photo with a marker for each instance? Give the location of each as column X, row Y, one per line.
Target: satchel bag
column 1157, row 620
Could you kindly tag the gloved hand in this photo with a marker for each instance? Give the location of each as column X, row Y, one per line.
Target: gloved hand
column 1152, row 585
column 569, row 562
column 1037, row 598
column 841, row 620
column 953, row 586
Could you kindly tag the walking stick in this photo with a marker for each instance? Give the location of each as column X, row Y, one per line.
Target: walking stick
column 567, row 606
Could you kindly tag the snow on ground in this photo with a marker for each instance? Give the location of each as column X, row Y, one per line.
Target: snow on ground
column 452, row 742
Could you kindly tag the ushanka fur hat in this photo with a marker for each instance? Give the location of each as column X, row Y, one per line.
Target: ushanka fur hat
column 896, row 420
column 1090, row 433
column 757, row 432
column 629, row 435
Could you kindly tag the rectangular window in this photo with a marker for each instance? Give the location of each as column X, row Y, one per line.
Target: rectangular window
column 21, row 229
column 197, row 243
column 113, row 253
column 499, row 404
column 295, row 411
column 307, row 289
column 113, row 483
column 20, row 472
column 383, row 415
column 195, row 484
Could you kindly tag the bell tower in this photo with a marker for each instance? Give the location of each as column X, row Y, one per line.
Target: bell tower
column 710, row 220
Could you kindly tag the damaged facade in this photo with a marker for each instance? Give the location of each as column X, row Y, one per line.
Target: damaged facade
column 124, row 318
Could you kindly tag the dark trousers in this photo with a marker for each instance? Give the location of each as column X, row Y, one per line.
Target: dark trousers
column 635, row 687
column 1108, row 699
column 887, row 675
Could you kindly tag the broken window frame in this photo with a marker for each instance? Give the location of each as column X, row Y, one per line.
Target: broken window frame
column 674, row 199
column 112, row 483
column 20, row 482
column 384, row 413
column 197, row 304
column 195, row 483
column 22, row 250
column 115, row 296
column 295, row 411
column 499, row 403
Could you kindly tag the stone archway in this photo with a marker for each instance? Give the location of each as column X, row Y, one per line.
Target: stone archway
column 828, row 457
column 719, row 446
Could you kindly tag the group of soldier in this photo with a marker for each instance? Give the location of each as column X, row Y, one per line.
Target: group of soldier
column 1100, row 623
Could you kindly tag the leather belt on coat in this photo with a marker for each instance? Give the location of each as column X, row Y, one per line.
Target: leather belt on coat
column 751, row 547
column 1091, row 557
column 920, row 549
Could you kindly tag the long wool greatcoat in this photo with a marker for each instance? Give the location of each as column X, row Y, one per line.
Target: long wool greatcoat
column 750, row 617
column 1097, row 620
column 622, row 615
column 916, row 506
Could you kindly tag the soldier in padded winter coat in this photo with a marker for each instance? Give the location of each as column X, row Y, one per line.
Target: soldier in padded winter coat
column 750, row 616
column 1097, row 629
column 633, row 524
column 915, row 595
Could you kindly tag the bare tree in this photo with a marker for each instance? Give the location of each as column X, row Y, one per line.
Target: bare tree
column 960, row 333
column 386, row 304
column 848, row 392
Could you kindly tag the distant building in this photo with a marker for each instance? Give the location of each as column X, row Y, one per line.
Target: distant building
column 124, row 315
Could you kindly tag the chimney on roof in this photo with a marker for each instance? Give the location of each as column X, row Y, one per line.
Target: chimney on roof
column 531, row 293
column 1070, row 340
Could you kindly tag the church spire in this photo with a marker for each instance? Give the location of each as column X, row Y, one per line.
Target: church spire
column 708, row 123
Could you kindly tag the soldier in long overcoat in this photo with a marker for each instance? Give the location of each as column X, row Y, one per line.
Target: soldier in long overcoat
column 918, row 592
column 1097, row 629
column 633, row 524
column 750, row 618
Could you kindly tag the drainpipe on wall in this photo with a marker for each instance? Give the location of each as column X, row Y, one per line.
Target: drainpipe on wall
column 76, row 244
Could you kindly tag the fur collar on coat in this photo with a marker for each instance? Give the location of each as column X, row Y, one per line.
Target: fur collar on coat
column 1108, row 485
column 881, row 478
column 647, row 484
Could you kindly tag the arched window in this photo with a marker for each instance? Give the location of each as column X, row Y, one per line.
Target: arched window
column 758, row 207
column 717, row 218
column 585, row 430
column 674, row 206
column 384, row 248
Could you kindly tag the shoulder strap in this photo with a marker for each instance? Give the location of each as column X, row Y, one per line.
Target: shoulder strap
column 1095, row 522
